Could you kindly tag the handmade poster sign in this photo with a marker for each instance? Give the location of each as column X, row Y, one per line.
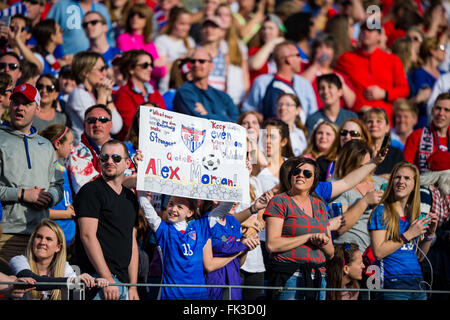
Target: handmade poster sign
column 192, row 157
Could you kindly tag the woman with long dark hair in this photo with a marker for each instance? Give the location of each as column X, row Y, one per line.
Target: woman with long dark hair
column 344, row 271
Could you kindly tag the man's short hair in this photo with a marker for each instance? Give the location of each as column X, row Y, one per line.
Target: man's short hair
column 403, row 105
column 98, row 106
column 28, row 23
column 115, row 142
column 330, row 78
column 442, row 96
column 277, row 56
column 102, row 18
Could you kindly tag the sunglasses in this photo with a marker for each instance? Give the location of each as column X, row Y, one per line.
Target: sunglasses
column 92, row 120
column 33, row 2
column 4, row 92
column 93, row 22
column 115, row 157
column 101, row 69
column 12, row 28
column 140, row 14
column 145, row 65
column 11, row 66
column 306, row 173
column 48, row 88
column 353, row 133
column 201, row 61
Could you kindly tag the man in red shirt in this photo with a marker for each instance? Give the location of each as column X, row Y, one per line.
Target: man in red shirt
column 424, row 141
column 377, row 76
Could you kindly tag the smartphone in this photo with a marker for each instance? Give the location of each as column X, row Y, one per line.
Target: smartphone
column 5, row 21
column 422, row 216
column 386, row 141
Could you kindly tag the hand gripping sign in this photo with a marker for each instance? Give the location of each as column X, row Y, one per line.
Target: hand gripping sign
column 192, row 157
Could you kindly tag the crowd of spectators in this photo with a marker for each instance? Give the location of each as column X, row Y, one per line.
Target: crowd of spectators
column 346, row 105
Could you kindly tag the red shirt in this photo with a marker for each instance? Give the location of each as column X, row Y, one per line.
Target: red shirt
column 377, row 68
column 392, row 33
column 128, row 100
column 412, row 145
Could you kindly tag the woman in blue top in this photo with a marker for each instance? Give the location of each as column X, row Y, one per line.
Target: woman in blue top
column 396, row 234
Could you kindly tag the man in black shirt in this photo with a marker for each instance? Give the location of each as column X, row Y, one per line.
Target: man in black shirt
column 106, row 225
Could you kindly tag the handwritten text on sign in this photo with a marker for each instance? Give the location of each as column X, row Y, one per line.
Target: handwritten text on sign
column 192, row 157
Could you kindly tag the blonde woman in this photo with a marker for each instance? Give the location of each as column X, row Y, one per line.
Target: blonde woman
column 45, row 261
column 400, row 238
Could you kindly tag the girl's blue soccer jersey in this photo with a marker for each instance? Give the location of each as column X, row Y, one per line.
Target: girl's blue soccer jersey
column 182, row 259
column 402, row 263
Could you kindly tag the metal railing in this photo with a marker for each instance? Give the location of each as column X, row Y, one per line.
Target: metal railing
column 79, row 288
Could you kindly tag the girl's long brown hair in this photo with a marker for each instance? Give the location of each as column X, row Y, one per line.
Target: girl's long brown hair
column 343, row 255
column 391, row 216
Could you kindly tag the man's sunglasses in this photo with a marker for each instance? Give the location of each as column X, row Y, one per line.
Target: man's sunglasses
column 22, row 29
column 4, row 92
column 145, row 65
column 92, row 120
column 93, row 22
column 34, row 2
column 11, row 66
column 48, row 88
column 306, row 173
column 201, row 61
column 115, row 157
column 353, row 133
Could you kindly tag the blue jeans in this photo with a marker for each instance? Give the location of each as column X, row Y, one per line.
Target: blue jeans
column 123, row 291
column 296, row 280
column 400, row 283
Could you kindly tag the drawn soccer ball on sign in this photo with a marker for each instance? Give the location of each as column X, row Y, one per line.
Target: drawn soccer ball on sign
column 211, row 162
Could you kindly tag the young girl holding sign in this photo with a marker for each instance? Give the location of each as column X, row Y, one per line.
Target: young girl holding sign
column 185, row 243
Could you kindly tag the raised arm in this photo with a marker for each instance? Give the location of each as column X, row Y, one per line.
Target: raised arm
column 149, row 212
column 358, row 175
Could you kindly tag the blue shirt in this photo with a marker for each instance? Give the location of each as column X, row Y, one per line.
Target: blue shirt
column 402, row 263
column 69, row 15
column 182, row 258
column 217, row 103
column 319, row 116
column 67, row 225
column 300, row 87
column 324, row 190
column 110, row 54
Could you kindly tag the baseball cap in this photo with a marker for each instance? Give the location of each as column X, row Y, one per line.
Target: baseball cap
column 29, row 91
column 215, row 20
column 439, row 161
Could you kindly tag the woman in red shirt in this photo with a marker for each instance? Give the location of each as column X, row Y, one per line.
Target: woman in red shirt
column 136, row 66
